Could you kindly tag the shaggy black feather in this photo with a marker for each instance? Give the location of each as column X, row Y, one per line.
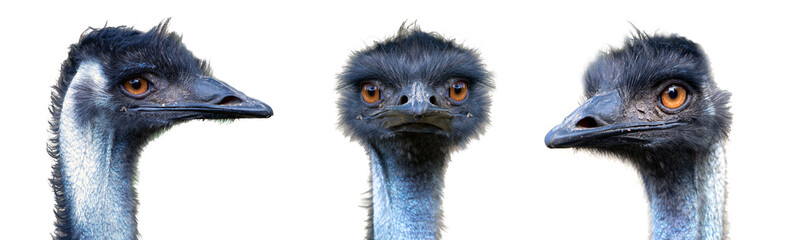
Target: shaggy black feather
column 638, row 71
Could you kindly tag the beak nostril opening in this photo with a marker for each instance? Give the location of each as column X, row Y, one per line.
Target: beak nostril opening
column 403, row 100
column 587, row 122
column 230, row 100
column 433, row 100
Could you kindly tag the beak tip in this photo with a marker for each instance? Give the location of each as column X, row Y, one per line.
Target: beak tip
column 261, row 109
column 267, row 111
column 264, row 113
column 549, row 138
column 549, row 143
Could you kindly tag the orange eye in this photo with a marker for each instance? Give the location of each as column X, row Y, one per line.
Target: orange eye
column 136, row 86
column 371, row 93
column 458, row 91
column 673, row 96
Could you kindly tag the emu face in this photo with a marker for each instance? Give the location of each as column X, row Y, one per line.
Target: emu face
column 656, row 94
column 145, row 82
column 416, row 83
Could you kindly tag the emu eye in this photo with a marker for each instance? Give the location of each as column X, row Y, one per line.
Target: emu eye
column 371, row 93
column 136, row 86
column 673, row 96
column 458, row 91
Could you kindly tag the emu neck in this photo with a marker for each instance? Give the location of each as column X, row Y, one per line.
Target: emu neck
column 407, row 182
column 97, row 175
column 97, row 168
column 688, row 201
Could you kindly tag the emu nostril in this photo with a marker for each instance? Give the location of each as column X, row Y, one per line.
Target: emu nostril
column 433, row 100
column 403, row 100
column 587, row 122
column 229, row 100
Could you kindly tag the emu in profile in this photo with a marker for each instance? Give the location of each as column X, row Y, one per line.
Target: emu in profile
column 654, row 103
column 118, row 89
column 411, row 101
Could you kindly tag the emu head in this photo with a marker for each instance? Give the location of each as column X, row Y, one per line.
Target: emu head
column 654, row 96
column 415, row 84
column 143, row 82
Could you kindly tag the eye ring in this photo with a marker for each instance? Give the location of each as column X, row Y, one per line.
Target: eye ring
column 370, row 93
column 458, row 91
column 674, row 97
column 137, row 87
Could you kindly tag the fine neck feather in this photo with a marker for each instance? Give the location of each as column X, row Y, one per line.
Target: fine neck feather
column 407, row 184
column 689, row 203
column 94, row 171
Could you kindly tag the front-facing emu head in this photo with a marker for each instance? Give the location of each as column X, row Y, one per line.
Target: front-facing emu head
column 414, row 84
column 143, row 82
column 653, row 97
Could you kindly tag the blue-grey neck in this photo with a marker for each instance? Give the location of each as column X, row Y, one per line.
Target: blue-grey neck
column 95, row 169
column 98, row 172
column 407, row 183
column 688, row 202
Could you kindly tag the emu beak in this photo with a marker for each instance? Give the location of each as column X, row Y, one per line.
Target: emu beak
column 410, row 117
column 416, row 115
column 597, row 122
column 209, row 98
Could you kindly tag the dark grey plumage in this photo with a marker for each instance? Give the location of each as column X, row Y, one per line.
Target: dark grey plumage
column 414, row 125
column 654, row 103
column 118, row 89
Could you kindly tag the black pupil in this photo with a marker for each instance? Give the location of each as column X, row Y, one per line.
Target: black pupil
column 672, row 92
column 458, row 87
column 370, row 90
column 135, row 83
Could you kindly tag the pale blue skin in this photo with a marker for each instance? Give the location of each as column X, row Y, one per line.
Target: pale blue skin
column 96, row 163
column 406, row 202
column 690, row 205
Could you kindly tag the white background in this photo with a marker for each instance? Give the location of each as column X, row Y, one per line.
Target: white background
column 295, row 176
